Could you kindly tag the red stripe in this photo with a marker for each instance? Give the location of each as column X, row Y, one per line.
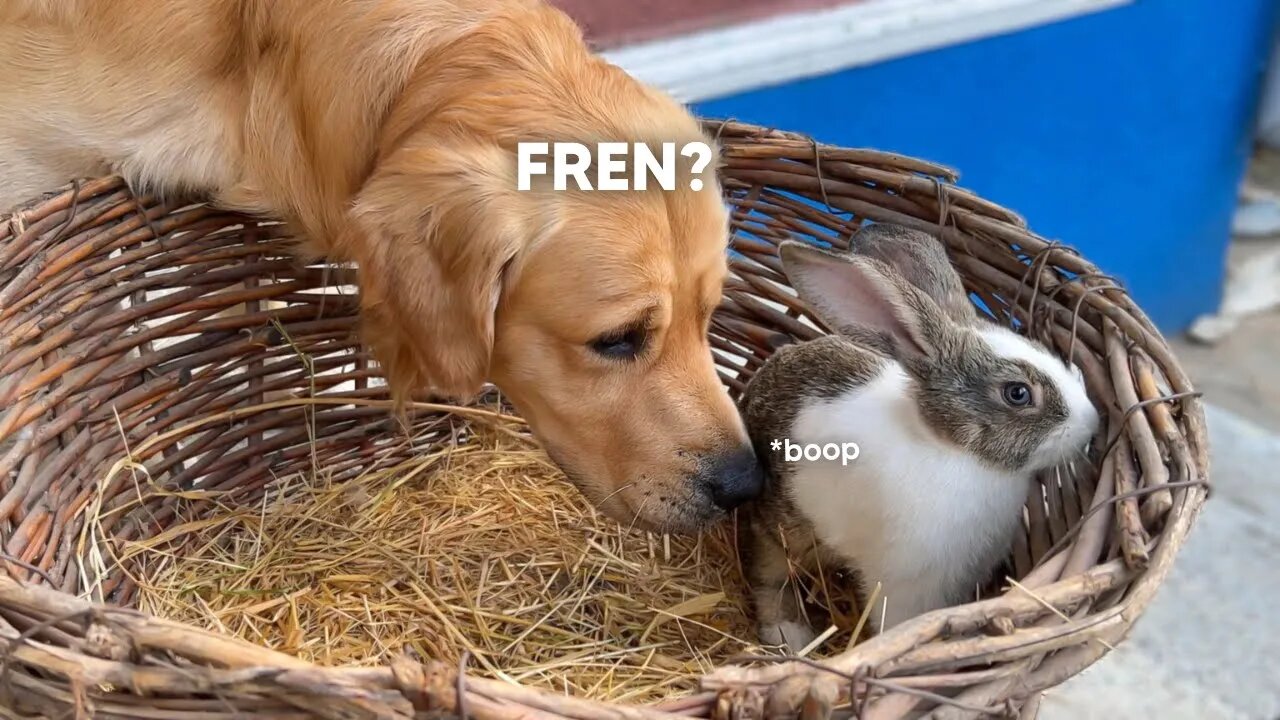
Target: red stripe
column 610, row 23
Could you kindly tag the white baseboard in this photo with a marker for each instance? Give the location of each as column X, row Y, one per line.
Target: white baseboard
column 725, row 61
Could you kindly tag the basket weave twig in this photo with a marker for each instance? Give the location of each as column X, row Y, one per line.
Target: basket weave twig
column 137, row 346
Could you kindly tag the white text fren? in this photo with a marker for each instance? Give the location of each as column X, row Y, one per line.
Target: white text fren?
column 564, row 160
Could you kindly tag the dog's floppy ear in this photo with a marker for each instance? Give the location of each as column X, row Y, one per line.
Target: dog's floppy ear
column 434, row 231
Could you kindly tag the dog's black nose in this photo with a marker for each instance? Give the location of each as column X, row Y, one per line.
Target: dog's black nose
column 735, row 478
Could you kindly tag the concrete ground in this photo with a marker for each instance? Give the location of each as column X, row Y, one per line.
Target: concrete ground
column 1208, row 648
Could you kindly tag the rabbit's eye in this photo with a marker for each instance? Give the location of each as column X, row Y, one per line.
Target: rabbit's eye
column 620, row 346
column 1017, row 394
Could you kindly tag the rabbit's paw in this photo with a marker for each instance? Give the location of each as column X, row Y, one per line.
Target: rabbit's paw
column 794, row 635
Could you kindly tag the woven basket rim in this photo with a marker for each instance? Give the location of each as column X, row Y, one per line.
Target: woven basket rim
column 1030, row 640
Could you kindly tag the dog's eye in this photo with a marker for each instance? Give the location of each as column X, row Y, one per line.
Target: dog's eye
column 620, row 346
column 1017, row 394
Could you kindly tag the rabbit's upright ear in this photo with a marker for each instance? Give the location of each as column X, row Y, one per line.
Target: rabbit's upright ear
column 922, row 261
column 855, row 295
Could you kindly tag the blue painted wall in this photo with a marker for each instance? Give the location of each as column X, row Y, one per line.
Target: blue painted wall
column 1123, row 133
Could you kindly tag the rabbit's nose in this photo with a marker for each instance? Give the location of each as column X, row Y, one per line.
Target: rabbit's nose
column 734, row 478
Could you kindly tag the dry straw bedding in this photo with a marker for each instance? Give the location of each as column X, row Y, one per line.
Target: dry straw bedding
column 480, row 547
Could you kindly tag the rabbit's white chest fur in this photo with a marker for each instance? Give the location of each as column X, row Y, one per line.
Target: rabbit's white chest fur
column 913, row 512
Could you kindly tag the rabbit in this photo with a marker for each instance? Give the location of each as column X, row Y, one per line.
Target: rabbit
column 952, row 416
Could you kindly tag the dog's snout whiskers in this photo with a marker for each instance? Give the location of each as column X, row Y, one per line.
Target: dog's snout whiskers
column 635, row 517
column 619, row 491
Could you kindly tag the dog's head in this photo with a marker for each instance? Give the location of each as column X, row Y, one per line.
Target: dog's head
column 589, row 310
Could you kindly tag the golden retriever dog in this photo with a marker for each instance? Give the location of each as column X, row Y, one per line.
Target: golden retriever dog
column 385, row 131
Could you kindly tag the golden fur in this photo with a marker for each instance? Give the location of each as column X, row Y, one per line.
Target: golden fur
column 385, row 131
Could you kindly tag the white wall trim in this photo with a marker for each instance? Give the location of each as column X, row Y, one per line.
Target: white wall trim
column 783, row 49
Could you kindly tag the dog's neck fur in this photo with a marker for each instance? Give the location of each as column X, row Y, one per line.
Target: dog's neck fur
column 409, row 88
column 474, row 81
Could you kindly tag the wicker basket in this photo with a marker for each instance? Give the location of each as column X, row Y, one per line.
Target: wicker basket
column 128, row 320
